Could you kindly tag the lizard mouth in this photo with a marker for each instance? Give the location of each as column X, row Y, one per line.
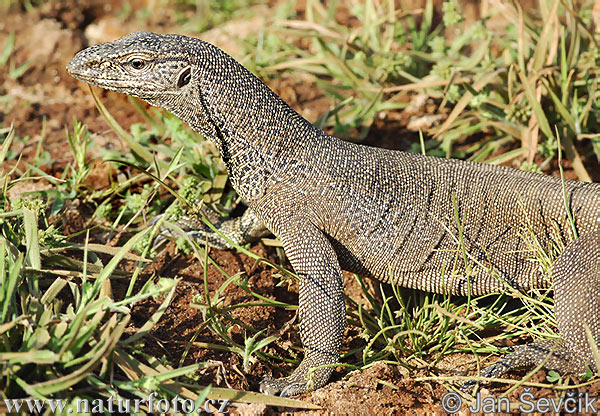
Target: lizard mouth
column 77, row 72
column 101, row 82
column 107, row 83
column 81, row 76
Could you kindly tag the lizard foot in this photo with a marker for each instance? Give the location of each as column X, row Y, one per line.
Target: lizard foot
column 239, row 231
column 312, row 373
column 284, row 386
column 553, row 353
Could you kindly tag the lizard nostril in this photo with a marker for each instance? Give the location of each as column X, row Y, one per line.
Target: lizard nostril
column 184, row 77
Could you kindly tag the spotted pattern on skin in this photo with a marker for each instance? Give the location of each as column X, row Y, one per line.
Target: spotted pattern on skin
column 439, row 225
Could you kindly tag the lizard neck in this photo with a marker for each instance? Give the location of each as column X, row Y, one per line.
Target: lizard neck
column 257, row 133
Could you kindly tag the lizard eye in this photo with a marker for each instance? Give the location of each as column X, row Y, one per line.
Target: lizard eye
column 137, row 63
column 184, row 77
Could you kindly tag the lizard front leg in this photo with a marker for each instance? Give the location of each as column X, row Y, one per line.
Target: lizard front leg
column 240, row 230
column 320, row 306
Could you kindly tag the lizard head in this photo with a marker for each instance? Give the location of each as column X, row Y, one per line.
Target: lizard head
column 147, row 65
column 195, row 81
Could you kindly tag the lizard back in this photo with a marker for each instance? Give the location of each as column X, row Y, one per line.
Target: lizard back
column 434, row 224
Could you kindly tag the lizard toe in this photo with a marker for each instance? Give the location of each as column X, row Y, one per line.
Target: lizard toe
column 272, row 386
column 285, row 386
column 552, row 354
column 293, row 389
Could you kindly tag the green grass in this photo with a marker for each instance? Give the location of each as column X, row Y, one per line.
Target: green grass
column 64, row 334
column 5, row 54
column 516, row 87
column 505, row 92
column 512, row 86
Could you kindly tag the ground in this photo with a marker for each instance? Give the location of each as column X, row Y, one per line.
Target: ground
column 45, row 98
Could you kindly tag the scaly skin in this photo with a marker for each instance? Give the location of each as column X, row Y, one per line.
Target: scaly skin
column 385, row 214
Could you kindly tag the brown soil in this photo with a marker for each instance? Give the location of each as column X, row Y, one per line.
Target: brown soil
column 45, row 95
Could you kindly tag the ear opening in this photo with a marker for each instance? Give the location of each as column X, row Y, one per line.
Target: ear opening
column 184, row 77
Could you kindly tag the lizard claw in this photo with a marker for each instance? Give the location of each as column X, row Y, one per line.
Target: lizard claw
column 194, row 228
column 239, row 230
column 269, row 385
column 284, row 386
column 468, row 386
column 554, row 354
column 312, row 373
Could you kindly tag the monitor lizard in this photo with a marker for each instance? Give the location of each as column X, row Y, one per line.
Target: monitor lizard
column 435, row 224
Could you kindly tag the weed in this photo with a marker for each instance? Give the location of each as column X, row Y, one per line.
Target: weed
column 5, row 54
column 511, row 83
column 517, row 87
column 62, row 329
